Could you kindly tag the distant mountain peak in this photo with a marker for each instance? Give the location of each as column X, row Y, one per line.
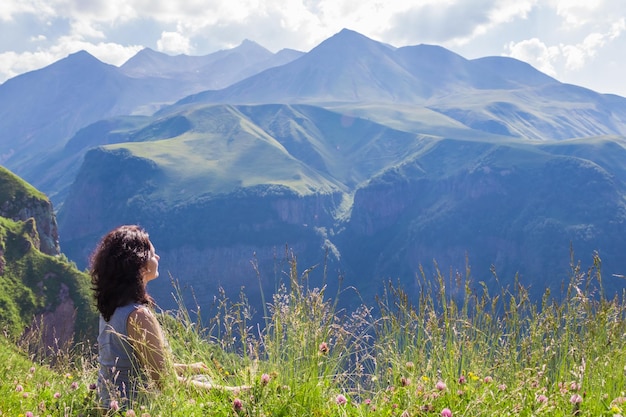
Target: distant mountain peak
column 81, row 56
column 248, row 46
column 248, row 42
column 78, row 61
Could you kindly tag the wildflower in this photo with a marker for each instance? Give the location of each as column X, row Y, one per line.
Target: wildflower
column 32, row 370
column 425, row 378
column 488, row 379
column 265, row 379
column 462, row 379
column 473, row 376
column 446, row 412
column 368, row 401
column 74, row 386
column 502, row 387
column 57, row 395
column 440, row 385
column 405, row 381
column 542, row 398
column 574, row 386
column 324, row 348
column 92, row 386
column 114, row 405
column 341, row 400
column 130, row 413
column 576, row 399
column 410, row 365
column 24, row 395
column 618, row 400
column 29, row 414
column 237, row 404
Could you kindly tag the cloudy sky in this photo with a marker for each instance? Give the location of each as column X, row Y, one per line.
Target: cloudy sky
column 581, row 42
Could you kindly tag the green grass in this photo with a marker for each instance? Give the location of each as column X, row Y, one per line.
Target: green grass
column 475, row 352
column 31, row 282
column 14, row 188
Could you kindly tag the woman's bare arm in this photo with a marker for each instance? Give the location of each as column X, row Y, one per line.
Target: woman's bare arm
column 146, row 336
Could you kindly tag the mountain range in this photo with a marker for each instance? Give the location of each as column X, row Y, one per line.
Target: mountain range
column 368, row 161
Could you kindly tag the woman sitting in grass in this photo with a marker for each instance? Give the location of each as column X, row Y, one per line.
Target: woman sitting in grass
column 132, row 351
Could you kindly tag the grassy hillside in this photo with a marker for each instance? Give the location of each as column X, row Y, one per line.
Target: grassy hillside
column 458, row 350
column 13, row 188
column 31, row 282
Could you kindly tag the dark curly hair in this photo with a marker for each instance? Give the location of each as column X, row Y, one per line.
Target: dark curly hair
column 116, row 269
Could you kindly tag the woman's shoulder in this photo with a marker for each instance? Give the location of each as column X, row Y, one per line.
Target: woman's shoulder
column 142, row 314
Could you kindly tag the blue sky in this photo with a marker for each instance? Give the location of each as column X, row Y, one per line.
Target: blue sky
column 581, row 42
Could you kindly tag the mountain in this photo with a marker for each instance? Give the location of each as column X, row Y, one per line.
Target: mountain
column 240, row 184
column 497, row 95
column 44, row 299
column 365, row 161
column 41, row 110
column 213, row 71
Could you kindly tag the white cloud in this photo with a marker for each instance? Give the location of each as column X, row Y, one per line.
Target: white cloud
column 13, row 64
column 576, row 13
column 10, row 8
column 85, row 29
column 536, row 53
column 173, row 43
column 560, row 37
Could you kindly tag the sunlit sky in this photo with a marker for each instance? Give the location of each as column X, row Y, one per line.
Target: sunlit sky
column 581, row 42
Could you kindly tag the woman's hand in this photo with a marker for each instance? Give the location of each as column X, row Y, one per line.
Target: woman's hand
column 197, row 368
column 191, row 368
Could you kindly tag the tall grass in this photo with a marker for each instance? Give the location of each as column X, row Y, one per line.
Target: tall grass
column 459, row 348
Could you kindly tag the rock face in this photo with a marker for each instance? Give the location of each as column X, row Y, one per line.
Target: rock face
column 45, row 299
column 20, row 203
column 53, row 331
column 41, row 212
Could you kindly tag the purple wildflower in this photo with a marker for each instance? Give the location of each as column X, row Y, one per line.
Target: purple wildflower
column 265, row 379
column 114, row 405
column 576, row 399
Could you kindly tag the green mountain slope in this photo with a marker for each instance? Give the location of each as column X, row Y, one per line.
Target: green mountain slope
column 233, row 183
column 38, row 290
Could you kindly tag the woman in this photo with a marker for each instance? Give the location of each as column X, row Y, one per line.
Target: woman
column 131, row 347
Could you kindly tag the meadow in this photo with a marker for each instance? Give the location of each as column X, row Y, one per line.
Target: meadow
column 460, row 349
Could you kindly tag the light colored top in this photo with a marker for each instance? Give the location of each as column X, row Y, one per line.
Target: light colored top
column 120, row 375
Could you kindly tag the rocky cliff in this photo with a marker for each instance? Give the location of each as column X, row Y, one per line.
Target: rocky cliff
column 21, row 202
column 45, row 300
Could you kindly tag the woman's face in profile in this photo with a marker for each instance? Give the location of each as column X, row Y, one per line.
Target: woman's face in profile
column 151, row 269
